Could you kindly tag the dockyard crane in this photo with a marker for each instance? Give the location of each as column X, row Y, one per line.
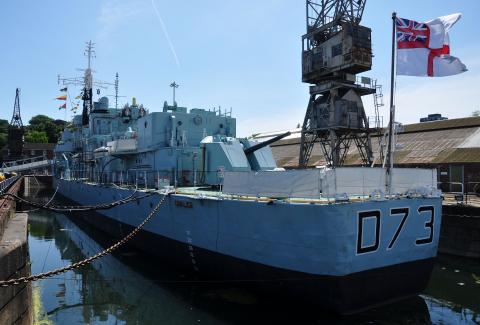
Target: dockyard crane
column 335, row 48
column 15, row 131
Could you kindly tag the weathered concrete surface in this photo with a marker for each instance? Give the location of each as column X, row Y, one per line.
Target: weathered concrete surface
column 38, row 181
column 15, row 301
column 460, row 234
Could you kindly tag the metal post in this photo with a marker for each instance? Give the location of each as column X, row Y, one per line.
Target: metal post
column 175, row 175
column 392, row 105
column 174, row 85
column 145, row 179
column 194, row 170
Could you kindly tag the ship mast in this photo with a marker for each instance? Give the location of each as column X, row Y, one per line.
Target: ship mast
column 174, row 86
column 87, row 83
column 87, row 90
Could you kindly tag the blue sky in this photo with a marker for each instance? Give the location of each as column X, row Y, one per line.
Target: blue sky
column 243, row 55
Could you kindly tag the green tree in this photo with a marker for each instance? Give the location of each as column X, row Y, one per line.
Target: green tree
column 36, row 137
column 3, row 134
column 476, row 113
column 3, row 140
column 51, row 127
column 4, row 126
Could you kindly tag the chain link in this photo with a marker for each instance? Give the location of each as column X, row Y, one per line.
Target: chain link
column 75, row 208
column 41, row 276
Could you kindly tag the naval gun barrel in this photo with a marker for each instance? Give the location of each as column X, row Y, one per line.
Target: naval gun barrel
column 265, row 143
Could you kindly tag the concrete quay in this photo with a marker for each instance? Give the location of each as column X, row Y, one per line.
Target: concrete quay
column 15, row 301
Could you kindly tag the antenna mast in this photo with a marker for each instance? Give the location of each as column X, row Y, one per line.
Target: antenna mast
column 87, row 82
column 334, row 49
column 174, row 85
column 87, row 89
column 116, row 90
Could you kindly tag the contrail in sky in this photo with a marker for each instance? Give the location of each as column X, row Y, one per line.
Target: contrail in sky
column 165, row 32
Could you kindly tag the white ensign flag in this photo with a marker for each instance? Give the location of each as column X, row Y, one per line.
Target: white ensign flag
column 423, row 49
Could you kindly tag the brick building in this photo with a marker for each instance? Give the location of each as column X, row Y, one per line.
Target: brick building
column 31, row 150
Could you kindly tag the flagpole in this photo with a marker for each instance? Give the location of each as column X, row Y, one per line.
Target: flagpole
column 392, row 105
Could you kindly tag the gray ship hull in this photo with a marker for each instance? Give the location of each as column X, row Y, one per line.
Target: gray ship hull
column 319, row 253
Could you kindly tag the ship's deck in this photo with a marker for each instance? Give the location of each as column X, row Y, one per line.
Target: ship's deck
column 217, row 194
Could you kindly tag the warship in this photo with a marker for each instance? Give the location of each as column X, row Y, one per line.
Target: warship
column 347, row 238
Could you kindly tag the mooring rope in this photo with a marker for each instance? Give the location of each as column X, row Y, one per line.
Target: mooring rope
column 44, row 275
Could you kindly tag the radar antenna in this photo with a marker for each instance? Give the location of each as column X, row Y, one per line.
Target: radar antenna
column 334, row 49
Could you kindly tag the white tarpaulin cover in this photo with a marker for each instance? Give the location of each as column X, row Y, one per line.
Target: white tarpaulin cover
column 290, row 183
column 311, row 183
column 354, row 181
column 405, row 179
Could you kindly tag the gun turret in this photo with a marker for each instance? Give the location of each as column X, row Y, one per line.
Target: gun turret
column 258, row 146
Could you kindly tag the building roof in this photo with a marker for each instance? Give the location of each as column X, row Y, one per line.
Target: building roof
column 429, row 143
column 444, row 124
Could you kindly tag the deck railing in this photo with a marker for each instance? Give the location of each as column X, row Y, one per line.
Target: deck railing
column 291, row 184
column 458, row 192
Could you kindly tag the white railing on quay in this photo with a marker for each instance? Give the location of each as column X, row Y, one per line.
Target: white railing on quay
column 5, row 184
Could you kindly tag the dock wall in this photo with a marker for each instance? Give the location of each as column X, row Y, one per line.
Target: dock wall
column 15, row 301
column 460, row 234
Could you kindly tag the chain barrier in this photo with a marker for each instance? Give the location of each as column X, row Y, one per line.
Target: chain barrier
column 44, row 275
column 78, row 208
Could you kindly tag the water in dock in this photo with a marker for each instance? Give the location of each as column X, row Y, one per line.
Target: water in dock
column 131, row 288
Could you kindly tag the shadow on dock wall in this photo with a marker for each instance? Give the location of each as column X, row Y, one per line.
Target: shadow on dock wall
column 460, row 233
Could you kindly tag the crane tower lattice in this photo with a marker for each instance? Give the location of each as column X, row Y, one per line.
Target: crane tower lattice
column 334, row 49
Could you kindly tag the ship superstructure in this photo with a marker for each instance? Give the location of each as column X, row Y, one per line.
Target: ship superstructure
column 172, row 147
